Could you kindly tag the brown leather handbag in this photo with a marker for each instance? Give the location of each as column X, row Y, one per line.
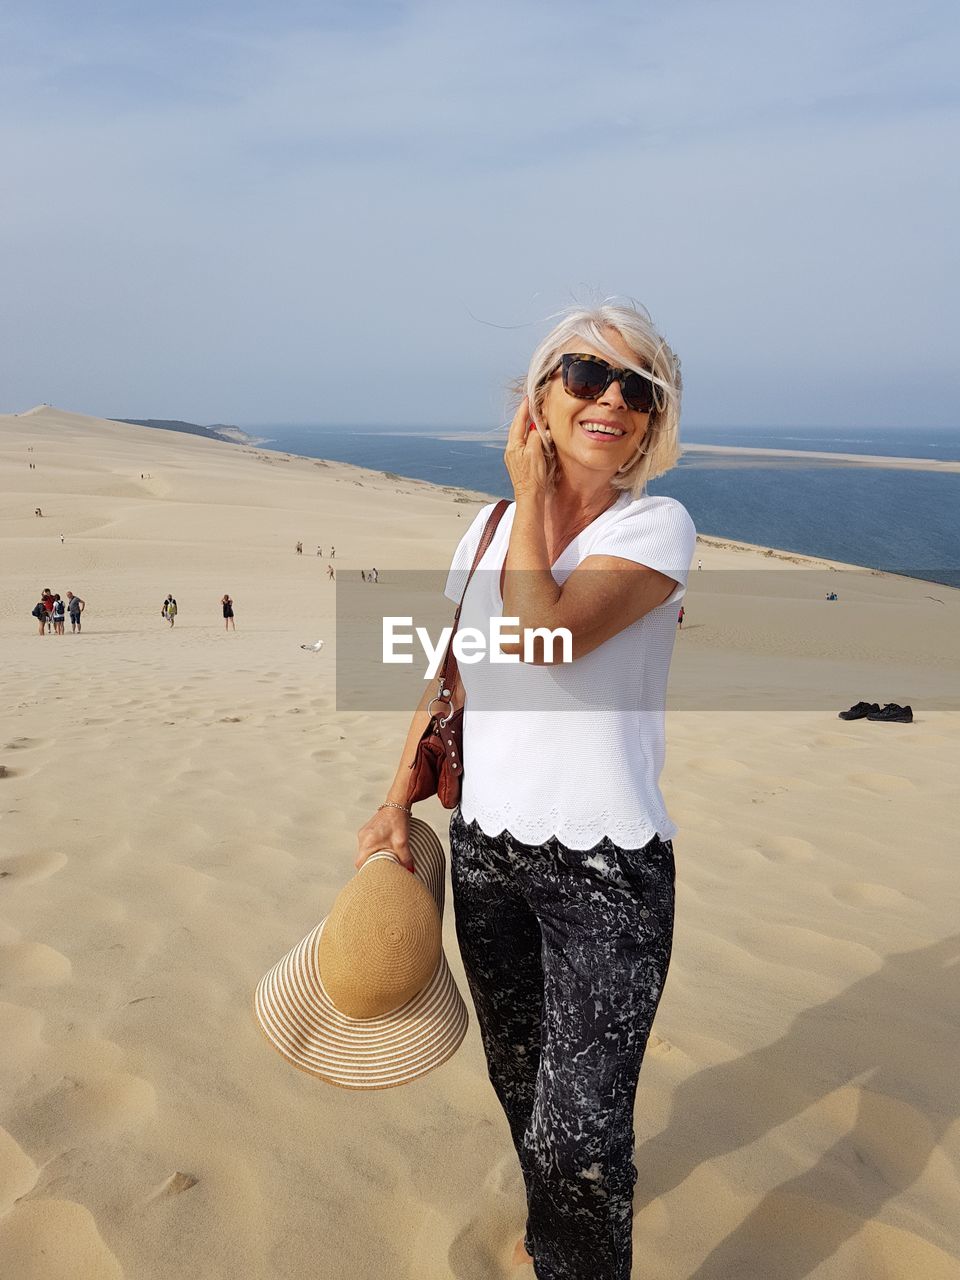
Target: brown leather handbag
column 437, row 766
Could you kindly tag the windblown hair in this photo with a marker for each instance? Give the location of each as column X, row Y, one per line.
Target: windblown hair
column 652, row 357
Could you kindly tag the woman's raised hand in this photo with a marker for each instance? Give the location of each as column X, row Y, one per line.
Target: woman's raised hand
column 524, row 455
column 387, row 829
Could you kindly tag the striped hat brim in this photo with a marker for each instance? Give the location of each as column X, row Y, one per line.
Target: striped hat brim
column 302, row 1023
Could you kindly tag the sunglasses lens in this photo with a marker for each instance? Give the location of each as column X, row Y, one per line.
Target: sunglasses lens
column 638, row 392
column 585, row 379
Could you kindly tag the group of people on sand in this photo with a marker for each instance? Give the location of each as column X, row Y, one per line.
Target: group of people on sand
column 331, row 572
column 51, row 612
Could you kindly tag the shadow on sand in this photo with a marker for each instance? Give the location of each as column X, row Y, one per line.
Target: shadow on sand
column 911, row 1008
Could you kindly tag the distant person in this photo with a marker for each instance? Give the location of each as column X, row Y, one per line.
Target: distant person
column 228, row 619
column 333, row 553
column 699, row 564
column 376, row 574
column 39, row 611
column 363, row 576
column 330, row 572
column 75, row 606
column 61, row 539
column 169, row 610
column 319, row 550
column 680, row 616
column 299, row 548
column 59, row 610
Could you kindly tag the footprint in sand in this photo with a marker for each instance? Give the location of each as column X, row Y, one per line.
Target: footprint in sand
column 484, row 1245
column 77, row 1111
column 881, row 784
column 30, row 866
column 861, row 893
column 43, row 1239
column 719, row 767
column 33, row 964
column 819, row 1230
column 836, row 740
column 20, row 1035
column 175, row 1185
column 892, row 1137
column 18, row 1173
column 786, row 849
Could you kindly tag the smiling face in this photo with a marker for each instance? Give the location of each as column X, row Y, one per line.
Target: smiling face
column 594, row 435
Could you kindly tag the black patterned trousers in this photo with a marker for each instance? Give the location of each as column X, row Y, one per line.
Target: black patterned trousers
column 566, row 952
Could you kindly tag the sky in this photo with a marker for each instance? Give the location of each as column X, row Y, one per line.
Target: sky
column 370, row 211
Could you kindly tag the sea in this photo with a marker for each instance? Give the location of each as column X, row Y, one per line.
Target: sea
column 897, row 520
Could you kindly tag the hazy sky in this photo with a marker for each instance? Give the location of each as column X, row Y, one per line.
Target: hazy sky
column 360, row 212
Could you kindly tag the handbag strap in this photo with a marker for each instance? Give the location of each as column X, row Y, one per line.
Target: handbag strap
column 448, row 669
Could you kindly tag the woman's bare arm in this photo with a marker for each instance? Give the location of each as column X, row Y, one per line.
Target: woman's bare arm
column 390, row 828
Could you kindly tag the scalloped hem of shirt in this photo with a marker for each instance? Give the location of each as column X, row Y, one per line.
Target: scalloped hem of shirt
column 622, row 837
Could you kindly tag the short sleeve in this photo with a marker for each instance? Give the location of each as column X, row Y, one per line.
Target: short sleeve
column 659, row 534
column 463, row 556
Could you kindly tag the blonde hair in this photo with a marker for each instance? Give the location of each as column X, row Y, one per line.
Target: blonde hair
column 653, row 358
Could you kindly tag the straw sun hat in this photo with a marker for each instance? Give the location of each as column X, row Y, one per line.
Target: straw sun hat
column 366, row 1000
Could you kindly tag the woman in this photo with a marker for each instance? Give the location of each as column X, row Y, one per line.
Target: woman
column 561, row 858
column 228, row 619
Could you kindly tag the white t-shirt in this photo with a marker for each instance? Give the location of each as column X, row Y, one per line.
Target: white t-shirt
column 574, row 750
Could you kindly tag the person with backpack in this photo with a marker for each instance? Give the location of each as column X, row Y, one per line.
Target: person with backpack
column 39, row 611
column 59, row 609
column 47, row 599
column 169, row 610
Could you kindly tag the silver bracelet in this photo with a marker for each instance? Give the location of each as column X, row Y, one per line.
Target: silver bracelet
column 392, row 804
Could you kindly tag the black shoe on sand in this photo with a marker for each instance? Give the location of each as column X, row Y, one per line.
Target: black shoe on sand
column 859, row 711
column 893, row 711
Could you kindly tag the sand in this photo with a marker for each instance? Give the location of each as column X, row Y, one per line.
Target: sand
column 179, row 807
column 738, row 454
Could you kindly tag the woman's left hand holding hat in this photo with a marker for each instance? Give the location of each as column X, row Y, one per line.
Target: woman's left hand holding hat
column 389, row 828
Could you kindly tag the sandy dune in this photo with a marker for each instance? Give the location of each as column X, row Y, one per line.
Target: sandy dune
column 178, row 807
column 741, row 453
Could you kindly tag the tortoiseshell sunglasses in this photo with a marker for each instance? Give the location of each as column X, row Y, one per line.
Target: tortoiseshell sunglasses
column 587, row 377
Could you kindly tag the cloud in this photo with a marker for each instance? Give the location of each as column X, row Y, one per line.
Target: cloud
column 209, row 203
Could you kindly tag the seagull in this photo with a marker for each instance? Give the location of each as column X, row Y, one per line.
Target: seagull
column 313, row 648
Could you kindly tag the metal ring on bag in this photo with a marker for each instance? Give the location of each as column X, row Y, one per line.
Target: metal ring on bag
column 430, row 712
